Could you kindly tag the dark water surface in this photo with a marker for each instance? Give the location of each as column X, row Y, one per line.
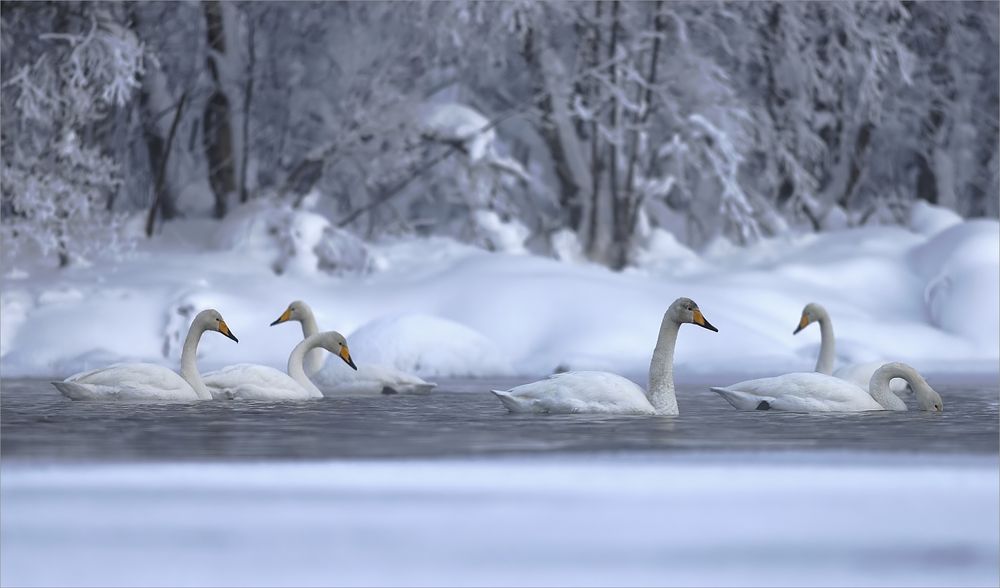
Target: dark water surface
column 460, row 418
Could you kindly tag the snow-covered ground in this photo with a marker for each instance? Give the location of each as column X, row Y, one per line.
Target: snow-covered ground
column 787, row 519
column 928, row 294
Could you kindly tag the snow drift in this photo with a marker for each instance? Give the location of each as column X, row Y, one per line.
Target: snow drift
column 439, row 308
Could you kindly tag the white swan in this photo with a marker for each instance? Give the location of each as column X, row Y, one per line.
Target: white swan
column 146, row 381
column 859, row 374
column 603, row 392
column 368, row 379
column 247, row 381
column 813, row 392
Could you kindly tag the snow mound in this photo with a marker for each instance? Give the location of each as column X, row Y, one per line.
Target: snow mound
column 961, row 265
column 927, row 219
column 508, row 236
column 427, row 345
column 664, row 253
column 291, row 240
column 14, row 308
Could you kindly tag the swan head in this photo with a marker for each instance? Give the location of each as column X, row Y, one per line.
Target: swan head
column 296, row 311
column 336, row 344
column 927, row 398
column 211, row 320
column 810, row 314
column 684, row 310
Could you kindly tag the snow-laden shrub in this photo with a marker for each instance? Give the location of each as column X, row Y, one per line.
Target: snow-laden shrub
column 57, row 205
column 289, row 239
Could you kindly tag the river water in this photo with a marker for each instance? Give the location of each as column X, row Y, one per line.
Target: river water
column 461, row 418
column 449, row 489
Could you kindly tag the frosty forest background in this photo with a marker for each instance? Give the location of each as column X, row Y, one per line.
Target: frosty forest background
column 572, row 130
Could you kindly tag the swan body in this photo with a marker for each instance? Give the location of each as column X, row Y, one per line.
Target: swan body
column 814, row 392
column 258, row 382
column 246, row 381
column 859, row 374
column 146, row 381
column 575, row 392
column 128, row 381
column 799, row 392
column 366, row 379
column 607, row 393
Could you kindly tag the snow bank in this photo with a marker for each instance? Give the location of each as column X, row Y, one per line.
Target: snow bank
column 961, row 266
column 622, row 520
column 927, row 219
column 442, row 308
column 427, row 346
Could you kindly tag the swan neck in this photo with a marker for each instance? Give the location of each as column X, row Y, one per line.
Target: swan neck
column 314, row 359
column 827, row 345
column 189, row 365
column 878, row 387
column 295, row 367
column 661, row 369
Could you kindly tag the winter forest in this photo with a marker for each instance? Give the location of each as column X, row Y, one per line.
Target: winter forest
column 569, row 129
column 506, row 293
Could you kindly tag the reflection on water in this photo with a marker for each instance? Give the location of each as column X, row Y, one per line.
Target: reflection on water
column 460, row 418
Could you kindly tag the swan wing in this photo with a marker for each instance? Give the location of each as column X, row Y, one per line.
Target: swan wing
column 247, row 381
column 800, row 392
column 127, row 381
column 578, row 392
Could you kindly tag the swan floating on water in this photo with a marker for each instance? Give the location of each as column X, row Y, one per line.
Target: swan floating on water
column 604, row 392
column 368, row 379
column 147, row 381
column 859, row 374
column 247, row 381
column 814, row 392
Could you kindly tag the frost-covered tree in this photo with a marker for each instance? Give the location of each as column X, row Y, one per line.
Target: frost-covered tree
column 68, row 69
column 583, row 128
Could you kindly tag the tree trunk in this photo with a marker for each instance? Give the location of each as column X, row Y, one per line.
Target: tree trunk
column 587, row 228
column 217, row 134
column 606, row 206
column 557, row 128
column 247, row 100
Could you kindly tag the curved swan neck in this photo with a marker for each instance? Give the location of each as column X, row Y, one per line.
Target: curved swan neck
column 314, row 359
column 189, row 366
column 878, row 387
column 827, row 344
column 295, row 368
column 661, row 369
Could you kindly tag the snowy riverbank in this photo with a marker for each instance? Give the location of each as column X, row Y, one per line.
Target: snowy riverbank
column 788, row 519
column 928, row 294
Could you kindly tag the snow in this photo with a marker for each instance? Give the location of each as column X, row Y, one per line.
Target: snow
column 927, row 219
column 622, row 519
column 424, row 344
column 457, row 122
column 440, row 308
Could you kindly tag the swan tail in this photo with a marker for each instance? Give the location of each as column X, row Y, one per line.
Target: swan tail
column 508, row 401
column 740, row 400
